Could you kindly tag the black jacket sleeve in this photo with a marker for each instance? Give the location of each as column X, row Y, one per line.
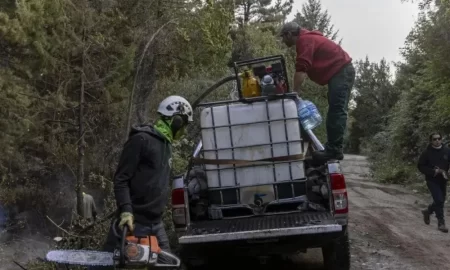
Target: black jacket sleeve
column 423, row 165
column 128, row 163
column 448, row 159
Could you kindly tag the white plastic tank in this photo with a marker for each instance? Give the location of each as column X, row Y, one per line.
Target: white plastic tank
column 251, row 141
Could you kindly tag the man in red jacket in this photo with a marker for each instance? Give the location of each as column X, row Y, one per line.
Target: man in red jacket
column 325, row 63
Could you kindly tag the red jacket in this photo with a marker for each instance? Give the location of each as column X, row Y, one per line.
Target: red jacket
column 319, row 57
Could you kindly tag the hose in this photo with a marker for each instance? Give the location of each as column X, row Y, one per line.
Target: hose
column 212, row 88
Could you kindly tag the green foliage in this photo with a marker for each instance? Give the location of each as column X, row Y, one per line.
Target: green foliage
column 252, row 41
column 14, row 124
column 207, row 39
column 50, row 43
column 375, row 95
column 260, row 11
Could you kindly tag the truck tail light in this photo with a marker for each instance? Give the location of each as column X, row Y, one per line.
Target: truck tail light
column 178, row 207
column 178, row 196
column 339, row 190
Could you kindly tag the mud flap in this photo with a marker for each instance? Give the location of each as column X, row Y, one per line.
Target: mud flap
column 262, row 227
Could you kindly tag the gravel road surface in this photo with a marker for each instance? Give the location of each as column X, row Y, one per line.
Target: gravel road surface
column 387, row 229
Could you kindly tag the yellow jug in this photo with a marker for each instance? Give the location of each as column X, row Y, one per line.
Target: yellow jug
column 250, row 84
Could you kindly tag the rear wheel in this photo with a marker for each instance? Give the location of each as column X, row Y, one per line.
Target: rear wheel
column 336, row 256
column 223, row 262
column 192, row 263
column 208, row 264
column 195, row 260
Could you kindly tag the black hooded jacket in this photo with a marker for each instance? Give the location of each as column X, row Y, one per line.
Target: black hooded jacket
column 432, row 158
column 141, row 182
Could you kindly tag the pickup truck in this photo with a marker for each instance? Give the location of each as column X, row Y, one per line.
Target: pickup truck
column 248, row 199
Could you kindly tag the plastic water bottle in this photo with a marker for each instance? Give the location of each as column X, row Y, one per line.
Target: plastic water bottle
column 308, row 114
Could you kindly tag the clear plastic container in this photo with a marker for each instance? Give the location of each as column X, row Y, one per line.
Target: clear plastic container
column 308, row 114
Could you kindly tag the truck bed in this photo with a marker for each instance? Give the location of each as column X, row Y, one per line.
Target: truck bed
column 261, row 227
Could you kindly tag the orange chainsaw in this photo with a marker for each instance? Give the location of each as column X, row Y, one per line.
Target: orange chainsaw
column 133, row 253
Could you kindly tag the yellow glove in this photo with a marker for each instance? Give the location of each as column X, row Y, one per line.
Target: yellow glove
column 126, row 218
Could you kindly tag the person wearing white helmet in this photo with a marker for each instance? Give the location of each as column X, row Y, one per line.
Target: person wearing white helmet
column 141, row 181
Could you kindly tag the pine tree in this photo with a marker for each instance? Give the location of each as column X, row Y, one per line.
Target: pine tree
column 313, row 17
column 50, row 68
column 248, row 11
column 375, row 97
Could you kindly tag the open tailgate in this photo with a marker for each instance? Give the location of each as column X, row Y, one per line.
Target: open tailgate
column 261, row 227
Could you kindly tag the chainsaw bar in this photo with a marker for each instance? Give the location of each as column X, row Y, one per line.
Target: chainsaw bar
column 81, row 257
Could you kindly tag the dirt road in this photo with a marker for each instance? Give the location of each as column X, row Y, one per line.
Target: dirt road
column 386, row 226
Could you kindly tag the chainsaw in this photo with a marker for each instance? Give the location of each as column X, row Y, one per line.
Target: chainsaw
column 133, row 253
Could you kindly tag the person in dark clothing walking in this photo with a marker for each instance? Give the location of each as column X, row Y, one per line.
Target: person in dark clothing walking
column 141, row 181
column 325, row 63
column 434, row 164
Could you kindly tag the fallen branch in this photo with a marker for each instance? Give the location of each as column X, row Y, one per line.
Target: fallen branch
column 110, row 215
column 64, row 230
column 18, row 264
column 62, row 222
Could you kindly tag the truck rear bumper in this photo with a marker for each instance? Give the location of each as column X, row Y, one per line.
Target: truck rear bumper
column 263, row 227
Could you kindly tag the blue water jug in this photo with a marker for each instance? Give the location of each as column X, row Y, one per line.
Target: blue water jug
column 308, row 114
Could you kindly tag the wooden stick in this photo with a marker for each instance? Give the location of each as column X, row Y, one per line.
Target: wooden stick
column 110, row 215
column 57, row 226
column 18, row 264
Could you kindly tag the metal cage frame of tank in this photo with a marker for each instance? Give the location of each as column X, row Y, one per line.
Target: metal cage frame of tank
column 237, row 187
column 275, row 58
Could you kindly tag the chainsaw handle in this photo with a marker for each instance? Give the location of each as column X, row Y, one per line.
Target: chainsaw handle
column 122, row 245
column 118, row 233
column 114, row 226
column 122, row 238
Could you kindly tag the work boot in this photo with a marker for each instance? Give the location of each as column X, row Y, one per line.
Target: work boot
column 324, row 156
column 426, row 216
column 441, row 226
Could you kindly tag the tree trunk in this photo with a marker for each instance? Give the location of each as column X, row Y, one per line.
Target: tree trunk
column 135, row 83
column 81, row 143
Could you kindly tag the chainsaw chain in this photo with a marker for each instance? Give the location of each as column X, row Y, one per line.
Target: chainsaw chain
column 81, row 257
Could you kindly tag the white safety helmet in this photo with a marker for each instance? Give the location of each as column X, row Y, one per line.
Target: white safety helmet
column 176, row 105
